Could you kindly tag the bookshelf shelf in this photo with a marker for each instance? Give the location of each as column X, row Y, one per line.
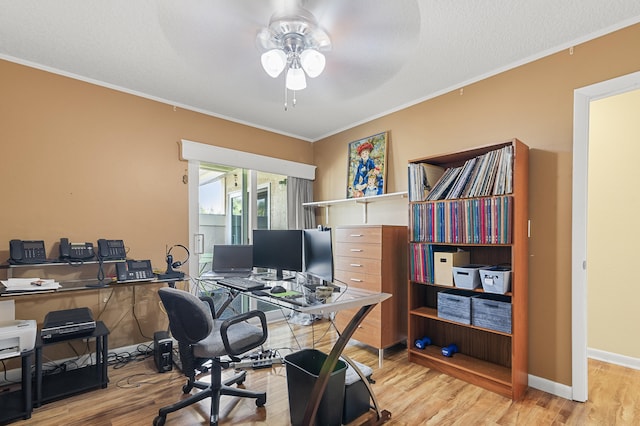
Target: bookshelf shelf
column 491, row 359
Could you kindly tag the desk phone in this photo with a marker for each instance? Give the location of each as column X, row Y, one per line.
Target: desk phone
column 27, row 251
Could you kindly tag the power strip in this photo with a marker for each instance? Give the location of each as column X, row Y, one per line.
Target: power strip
column 258, row 363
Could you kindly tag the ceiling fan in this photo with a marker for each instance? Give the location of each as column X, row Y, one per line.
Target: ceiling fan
column 369, row 40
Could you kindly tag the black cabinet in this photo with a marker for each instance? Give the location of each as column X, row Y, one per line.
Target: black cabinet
column 18, row 404
column 57, row 386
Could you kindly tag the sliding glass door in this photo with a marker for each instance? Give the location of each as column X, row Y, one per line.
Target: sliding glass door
column 233, row 202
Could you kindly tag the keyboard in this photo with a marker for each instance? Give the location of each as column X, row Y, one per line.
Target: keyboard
column 242, row 284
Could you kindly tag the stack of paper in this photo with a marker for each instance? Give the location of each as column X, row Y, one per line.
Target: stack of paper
column 30, row 284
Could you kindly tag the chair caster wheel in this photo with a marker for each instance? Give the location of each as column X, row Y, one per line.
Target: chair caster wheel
column 159, row 421
column 260, row 401
column 186, row 389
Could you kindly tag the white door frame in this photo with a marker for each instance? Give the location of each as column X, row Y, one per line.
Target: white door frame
column 581, row 101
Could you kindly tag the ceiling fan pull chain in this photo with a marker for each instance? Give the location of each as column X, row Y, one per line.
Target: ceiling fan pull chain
column 285, row 97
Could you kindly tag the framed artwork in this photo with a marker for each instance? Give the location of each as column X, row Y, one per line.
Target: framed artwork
column 367, row 166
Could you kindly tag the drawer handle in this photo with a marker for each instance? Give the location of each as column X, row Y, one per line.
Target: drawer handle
column 356, row 265
column 356, row 250
column 356, row 280
column 355, row 235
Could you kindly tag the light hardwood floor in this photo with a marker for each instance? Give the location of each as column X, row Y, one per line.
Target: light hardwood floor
column 413, row 394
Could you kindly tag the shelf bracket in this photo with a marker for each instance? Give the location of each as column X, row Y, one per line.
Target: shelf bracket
column 364, row 210
column 326, row 213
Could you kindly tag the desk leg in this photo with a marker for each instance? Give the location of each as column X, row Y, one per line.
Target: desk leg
column 231, row 295
column 104, row 354
column 26, row 386
column 38, row 400
column 330, row 363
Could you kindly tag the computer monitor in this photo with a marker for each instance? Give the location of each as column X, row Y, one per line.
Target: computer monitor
column 278, row 249
column 318, row 254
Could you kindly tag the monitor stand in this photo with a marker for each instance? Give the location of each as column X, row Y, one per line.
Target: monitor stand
column 279, row 276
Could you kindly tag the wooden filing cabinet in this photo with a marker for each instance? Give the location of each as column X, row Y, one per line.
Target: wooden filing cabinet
column 374, row 257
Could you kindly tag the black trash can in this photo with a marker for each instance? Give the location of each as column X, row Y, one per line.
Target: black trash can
column 303, row 369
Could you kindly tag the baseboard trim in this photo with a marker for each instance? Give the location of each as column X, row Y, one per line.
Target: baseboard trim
column 565, row 391
column 545, row 385
column 611, row 358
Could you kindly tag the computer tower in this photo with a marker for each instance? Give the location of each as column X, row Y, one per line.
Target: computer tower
column 162, row 351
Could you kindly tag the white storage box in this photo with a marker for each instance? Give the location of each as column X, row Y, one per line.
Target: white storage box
column 492, row 311
column 455, row 305
column 496, row 279
column 468, row 276
column 443, row 263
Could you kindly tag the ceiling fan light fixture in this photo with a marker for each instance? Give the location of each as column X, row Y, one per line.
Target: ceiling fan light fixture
column 292, row 42
column 273, row 61
column 313, row 62
column 296, row 79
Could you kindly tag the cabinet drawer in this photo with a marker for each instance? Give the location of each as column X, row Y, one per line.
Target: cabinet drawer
column 373, row 319
column 358, row 265
column 370, row 251
column 360, row 280
column 359, row 235
column 368, row 331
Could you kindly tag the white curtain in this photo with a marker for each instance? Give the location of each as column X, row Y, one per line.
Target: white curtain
column 300, row 191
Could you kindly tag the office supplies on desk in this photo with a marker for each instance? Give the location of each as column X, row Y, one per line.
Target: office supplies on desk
column 29, row 284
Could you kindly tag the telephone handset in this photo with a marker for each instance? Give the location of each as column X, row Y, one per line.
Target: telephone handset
column 27, row 251
column 75, row 251
column 134, row 270
column 111, row 249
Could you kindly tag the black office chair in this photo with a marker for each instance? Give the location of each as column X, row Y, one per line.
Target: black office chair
column 204, row 339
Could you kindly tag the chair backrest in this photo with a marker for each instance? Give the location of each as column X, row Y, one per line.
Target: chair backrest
column 190, row 319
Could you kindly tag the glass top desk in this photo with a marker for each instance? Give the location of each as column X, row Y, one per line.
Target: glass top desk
column 347, row 298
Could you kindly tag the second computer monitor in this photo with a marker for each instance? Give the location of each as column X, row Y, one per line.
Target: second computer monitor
column 278, row 249
column 318, row 253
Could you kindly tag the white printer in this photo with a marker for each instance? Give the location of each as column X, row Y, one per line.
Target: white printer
column 17, row 336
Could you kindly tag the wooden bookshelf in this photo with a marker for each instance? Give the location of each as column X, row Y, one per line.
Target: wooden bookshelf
column 492, row 359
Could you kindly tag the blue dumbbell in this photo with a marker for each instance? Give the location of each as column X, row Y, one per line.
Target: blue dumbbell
column 422, row 343
column 450, row 350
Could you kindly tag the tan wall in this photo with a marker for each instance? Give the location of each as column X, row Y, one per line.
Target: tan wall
column 86, row 162
column 614, row 202
column 534, row 103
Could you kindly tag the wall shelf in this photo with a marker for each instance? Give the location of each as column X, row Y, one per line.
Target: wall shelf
column 364, row 201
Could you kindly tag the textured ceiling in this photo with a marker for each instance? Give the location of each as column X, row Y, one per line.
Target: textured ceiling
column 386, row 55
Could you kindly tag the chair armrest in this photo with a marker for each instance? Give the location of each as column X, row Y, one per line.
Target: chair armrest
column 242, row 318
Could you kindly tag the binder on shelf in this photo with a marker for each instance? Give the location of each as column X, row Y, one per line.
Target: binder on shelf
column 466, row 221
